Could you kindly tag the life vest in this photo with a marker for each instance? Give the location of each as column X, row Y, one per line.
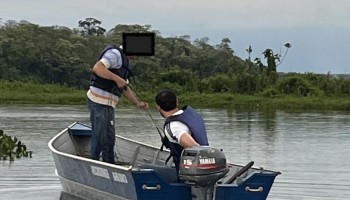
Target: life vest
column 197, row 127
column 109, row 85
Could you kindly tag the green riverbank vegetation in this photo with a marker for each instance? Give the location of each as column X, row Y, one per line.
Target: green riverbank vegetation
column 29, row 93
column 52, row 65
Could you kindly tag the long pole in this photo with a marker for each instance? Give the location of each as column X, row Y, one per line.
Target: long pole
column 160, row 132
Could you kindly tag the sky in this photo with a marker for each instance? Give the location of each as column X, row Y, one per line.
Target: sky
column 318, row 30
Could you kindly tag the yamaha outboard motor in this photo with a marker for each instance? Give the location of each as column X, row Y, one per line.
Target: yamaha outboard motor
column 201, row 167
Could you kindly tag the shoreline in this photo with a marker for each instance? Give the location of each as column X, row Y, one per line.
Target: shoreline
column 49, row 94
column 213, row 100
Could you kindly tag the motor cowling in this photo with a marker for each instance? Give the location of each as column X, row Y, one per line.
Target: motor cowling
column 202, row 166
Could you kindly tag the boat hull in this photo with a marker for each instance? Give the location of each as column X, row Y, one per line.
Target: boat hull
column 92, row 179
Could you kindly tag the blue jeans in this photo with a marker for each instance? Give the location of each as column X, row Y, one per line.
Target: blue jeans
column 103, row 131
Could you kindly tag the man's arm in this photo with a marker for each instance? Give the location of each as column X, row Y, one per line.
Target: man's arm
column 182, row 134
column 131, row 96
column 101, row 70
column 186, row 140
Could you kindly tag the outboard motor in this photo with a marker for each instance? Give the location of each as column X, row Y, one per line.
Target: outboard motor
column 201, row 167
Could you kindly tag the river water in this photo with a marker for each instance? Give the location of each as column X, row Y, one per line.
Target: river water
column 310, row 149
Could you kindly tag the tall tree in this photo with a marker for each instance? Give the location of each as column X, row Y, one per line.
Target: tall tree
column 91, row 26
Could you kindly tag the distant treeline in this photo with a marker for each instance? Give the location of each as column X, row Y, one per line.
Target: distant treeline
column 59, row 55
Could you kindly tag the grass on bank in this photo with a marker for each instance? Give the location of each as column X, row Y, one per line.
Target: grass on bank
column 224, row 100
column 28, row 93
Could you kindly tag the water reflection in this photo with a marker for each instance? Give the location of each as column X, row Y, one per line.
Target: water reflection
column 269, row 119
column 67, row 196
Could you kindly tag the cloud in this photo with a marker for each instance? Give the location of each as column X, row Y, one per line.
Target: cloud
column 184, row 14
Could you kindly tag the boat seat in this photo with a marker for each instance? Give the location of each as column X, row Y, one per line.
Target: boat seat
column 165, row 172
column 79, row 130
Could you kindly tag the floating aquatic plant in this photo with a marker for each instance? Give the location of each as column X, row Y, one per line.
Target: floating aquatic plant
column 11, row 148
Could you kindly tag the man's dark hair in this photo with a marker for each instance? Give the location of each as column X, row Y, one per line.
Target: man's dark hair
column 166, row 99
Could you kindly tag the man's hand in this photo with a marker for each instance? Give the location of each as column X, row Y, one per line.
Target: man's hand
column 142, row 105
column 122, row 84
column 101, row 70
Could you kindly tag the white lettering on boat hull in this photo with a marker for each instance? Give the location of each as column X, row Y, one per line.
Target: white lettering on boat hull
column 98, row 171
column 119, row 177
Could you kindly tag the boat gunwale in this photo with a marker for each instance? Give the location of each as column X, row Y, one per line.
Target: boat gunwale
column 261, row 169
column 54, row 150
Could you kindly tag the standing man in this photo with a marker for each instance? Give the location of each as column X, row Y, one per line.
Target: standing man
column 108, row 84
column 183, row 127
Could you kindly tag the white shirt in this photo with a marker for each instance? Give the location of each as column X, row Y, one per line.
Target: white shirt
column 177, row 129
column 112, row 59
